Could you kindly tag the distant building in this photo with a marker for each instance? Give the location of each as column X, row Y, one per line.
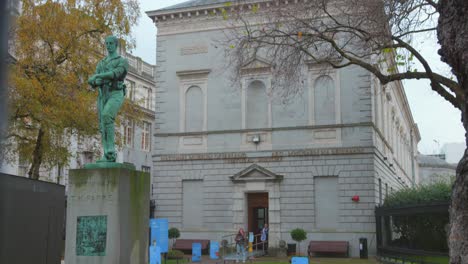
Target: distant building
column 229, row 157
column 434, row 168
column 453, row 151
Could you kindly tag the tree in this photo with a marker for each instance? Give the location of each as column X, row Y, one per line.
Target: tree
column 298, row 235
column 374, row 35
column 57, row 44
column 173, row 234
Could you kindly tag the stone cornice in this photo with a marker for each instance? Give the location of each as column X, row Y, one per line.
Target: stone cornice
column 198, row 133
column 193, row 73
column 210, row 17
column 204, row 10
column 230, row 156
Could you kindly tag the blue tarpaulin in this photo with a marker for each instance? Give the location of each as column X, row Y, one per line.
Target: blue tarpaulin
column 214, row 249
column 160, row 233
column 300, row 260
column 196, row 252
column 155, row 255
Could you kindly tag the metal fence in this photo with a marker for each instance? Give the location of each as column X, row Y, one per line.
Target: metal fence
column 412, row 234
column 31, row 220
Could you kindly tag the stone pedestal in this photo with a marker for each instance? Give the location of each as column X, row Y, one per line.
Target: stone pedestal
column 107, row 215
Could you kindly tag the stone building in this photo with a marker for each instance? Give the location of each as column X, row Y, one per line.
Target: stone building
column 229, row 157
column 434, row 168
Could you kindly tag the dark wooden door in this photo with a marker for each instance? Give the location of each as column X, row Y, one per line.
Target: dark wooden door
column 257, row 211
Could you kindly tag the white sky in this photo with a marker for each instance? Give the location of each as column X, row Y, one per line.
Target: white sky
column 438, row 121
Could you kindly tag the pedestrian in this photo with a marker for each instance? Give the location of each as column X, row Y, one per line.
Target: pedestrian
column 264, row 237
column 240, row 245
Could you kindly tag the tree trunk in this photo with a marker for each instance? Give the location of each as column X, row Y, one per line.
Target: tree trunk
column 452, row 32
column 37, row 156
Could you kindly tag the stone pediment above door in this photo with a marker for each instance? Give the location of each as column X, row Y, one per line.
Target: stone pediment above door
column 256, row 173
column 256, row 65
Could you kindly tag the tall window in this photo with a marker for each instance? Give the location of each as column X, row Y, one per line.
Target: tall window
column 194, row 109
column 59, row 173
column 130, row 89
column 256, row 114
column 146, row 168
column 149, row 97
column 380, row 191
column 23, row 166
column 324, row 101
column 386, row 190
column 145, row 137
column 128, row 134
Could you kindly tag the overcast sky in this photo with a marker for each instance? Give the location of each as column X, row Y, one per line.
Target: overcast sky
column 438, row 121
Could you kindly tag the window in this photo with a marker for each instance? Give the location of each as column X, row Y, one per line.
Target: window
column 146, row 169
column 87, row 157
column 194, row 109
column 23, row 166
column 145, row 137
column 256, row 113
column 386, row 190
column 128, row 134
column 380, row 191
column 324, row 101
column 149, row 97
column 59, row 173
column 130, row 89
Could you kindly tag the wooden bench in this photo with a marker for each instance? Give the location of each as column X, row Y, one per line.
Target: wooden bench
column 336, row 247
column 186, row 245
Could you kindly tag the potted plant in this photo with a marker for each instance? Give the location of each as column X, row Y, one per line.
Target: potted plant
column 298, row 235
column 173, row 234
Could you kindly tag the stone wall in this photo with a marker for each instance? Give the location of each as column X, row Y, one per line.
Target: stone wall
column 291, row 201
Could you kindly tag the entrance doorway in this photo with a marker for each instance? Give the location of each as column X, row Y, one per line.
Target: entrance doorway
column 257, row 211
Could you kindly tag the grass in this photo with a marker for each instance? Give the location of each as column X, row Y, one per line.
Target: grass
column 318, row 261
column 429, row 259
column 271, row 260
column 439, row 260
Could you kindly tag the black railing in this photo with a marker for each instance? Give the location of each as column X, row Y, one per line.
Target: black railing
column 409, row 233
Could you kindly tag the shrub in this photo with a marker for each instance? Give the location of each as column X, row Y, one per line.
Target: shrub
column 173, row 234
column 298, row 235
column 425, row 230
column 175, row 254
column 421, row 194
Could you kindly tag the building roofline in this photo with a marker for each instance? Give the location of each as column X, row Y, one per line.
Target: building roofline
column 153, row 14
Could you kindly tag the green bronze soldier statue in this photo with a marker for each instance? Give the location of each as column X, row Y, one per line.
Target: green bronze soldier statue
column 109, row 78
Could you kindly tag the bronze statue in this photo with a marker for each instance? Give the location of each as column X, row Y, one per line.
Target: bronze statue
column 109, row 79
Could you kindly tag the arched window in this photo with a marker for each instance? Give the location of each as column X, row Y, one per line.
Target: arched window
column 194, row 109
column 324, row 101
column 256, row 114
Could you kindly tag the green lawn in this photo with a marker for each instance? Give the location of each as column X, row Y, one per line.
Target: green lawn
column 430, row 259
column 270, row 260
column 439, row 260
column 318, row 261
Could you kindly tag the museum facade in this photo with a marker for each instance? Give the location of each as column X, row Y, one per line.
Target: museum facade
column 227, row 156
